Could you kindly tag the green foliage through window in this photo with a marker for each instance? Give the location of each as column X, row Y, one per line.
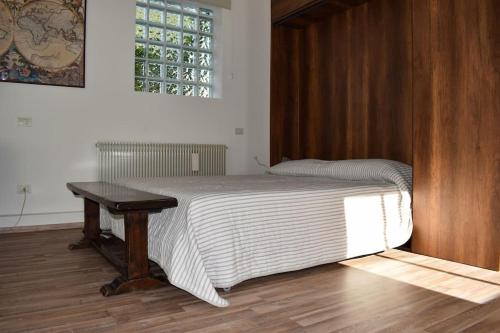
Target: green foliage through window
column 174, row 48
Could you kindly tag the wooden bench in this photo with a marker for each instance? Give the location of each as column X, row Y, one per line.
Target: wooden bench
column 129, row 257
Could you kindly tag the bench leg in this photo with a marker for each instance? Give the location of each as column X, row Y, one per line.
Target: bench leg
column 136, row 254
column 91, row 228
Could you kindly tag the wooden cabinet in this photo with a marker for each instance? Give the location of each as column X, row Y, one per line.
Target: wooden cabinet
column 411, row 80
column 456, row 147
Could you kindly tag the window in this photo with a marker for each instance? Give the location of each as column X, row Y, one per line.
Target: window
column 174, row 44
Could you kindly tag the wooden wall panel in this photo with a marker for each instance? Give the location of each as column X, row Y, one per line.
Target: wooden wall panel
column 456, row 139
column 390, row 80
column 357, row 87
column 325, row 90
column 286, row 76
column 357, row 145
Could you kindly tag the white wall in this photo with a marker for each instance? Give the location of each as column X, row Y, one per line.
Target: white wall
column 259, row 83
column 67, row 122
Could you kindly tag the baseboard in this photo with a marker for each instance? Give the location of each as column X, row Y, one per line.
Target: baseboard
column 44, row 227
column 8, row 222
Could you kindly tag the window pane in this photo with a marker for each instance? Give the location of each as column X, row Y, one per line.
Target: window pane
column 205, row 59
column 156, row 34
column 206, row 12
column 188, row 57
column 188, row 90
column 172, row 72
column 204, row 76
column 139, row 85
column 154, row 70
column 204, row 91
column 172, row 54
column 206, row 25
column 173, row 37
column 188, row 74
column 154, row 51
column 205, row 42
column 140, row 13
column 189, row 40
column 174, row 19
column 172, row 88
column 154, row 86
column 156, row 16
column 139, row 68
column 190, row 23
column 157, row 2
column 140, row 31
column 140, row 50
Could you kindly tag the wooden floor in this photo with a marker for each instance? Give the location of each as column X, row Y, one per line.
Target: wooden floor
column 46, row 288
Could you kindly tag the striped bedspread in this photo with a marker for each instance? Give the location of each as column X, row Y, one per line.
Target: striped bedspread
column 229, row 229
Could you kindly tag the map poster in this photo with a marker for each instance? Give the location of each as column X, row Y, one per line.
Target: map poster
column 43, row 42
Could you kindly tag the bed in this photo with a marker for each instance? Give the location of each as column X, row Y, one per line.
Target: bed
column 300, row 214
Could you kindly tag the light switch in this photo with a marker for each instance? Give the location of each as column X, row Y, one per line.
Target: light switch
column 239, row 131
column 24, row 121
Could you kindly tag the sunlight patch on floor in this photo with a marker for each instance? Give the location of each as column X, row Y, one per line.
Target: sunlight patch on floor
column 461, row 281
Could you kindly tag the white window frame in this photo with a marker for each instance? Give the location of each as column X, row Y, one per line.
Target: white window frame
column 164, row 81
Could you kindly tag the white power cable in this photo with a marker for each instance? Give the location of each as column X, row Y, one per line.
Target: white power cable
column 256, row 158
column 22, row 209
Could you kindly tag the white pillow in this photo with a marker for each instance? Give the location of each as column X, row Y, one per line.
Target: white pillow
column 308, row 167
column 356, row 170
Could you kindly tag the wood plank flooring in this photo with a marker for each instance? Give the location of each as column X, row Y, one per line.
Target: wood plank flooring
column 46, row 288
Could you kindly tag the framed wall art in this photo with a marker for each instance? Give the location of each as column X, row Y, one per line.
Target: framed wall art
column 43, row 42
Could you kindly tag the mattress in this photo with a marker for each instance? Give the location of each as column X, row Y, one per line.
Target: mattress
column 226, row 230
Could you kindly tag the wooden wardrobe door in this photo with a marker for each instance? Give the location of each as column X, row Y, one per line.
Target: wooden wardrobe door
column 456, row 147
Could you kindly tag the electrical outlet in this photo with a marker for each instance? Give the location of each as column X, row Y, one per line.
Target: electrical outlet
column 23, row 188
column 239, row 131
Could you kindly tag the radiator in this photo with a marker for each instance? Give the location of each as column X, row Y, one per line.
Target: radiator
column 119, row 159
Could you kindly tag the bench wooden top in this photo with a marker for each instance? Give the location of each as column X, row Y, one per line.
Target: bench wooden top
column 121, row 199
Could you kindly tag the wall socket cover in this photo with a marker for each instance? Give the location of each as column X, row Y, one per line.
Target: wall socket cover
column 22, row 188
column 239, row 131
column 24, row 121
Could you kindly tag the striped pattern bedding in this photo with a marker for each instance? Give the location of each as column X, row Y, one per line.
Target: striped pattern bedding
column 229, row 229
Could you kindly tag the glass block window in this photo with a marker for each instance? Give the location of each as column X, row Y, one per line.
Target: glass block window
column 174, row 43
